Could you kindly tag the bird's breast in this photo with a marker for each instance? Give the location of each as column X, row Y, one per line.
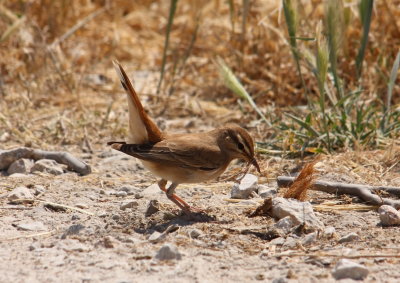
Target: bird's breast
column 183, row 175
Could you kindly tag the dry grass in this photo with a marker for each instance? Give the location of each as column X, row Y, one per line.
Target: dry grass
column 57, row 86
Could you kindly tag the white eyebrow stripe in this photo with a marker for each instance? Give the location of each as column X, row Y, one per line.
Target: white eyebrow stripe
column 246, row 147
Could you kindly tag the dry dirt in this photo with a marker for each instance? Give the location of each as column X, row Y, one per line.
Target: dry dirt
column 105, row 243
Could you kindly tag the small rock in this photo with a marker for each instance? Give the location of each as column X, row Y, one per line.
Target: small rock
column 309, row 238
column 138, row 196
column 121, row 194
column 195, row 233
column 116, row 217
column 349, row 269
column 130, row 190
column 290, row 243
column 72, row 245
column 109, row 242
column 152, row 207
column 156, row 237
column 102, row 192
column 245, row 188
column 349, row 238
column 20, row 193
column 329, row 232
column 32, row 226
column 130, row 204
column 82, row 205
column 22, row 166
column 266, row 192
column 18, row 175
column 280, row 280
column 277, row 241
column 72, row 230
column 260, row 276
column 300, row 212
column 39, row 189
column 168, row 252
column 389, row 215
column 48, row 166
column 285, row 223
column 151, row 190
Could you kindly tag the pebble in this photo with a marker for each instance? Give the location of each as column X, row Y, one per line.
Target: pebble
column 18, row 175
column 109, row 242
column 195, row 233
column 285, row 224
column 348, row 269
column 20, row 193
column 266, row 191
column 121, row 194
column 349, row 238
column 277, row 241
column 243, row 190
column 290, row 243
column 130, row 190
column 300, row 212
column 32, row 226
column 130, row 204
column 22, row 166
column 39, row 189
column 168, row 252
column 156, row 237
column 72, row 230
column 138, row 196
column 309, row 238
column 152, row 207
column 329, row 232
column 389, row 215
column 48, row 166
column 72, row 245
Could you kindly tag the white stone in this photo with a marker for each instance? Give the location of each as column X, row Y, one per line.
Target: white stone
column 245, row 188
column 168, row 252
column 22, row 166
column 47, row 166
column 32, row 226
column 349, row 238
column 389, row 215
column 130, row 204
column 285, row 224
column 309, row 238
column 329, row 232
column 299, row 212
column 20, row 193
column 156, row 237
column 266, row 191
column 349, row 269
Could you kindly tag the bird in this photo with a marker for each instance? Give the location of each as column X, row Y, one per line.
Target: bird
column 180, row 158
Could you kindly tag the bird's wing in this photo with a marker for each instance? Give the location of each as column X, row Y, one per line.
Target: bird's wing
column 141, row 128
column 206, row 158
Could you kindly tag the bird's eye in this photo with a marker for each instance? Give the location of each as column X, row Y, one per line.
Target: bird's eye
column 240, row 146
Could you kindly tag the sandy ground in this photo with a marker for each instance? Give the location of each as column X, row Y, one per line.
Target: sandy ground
column 220, row 245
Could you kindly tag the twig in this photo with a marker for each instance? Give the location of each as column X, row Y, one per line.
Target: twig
column 9, row 156
column 54, row 204
column 28, row 236
column 364, row 192
column 337, row 255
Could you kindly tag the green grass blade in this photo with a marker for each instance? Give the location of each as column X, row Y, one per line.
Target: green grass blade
column 366, row 17
column 232, row 82
column 392, row 80
column 172, row 10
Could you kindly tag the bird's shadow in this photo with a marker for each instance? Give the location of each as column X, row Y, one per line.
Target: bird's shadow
column 179, row 220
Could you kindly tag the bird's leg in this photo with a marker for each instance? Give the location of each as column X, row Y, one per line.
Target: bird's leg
column 173, row 197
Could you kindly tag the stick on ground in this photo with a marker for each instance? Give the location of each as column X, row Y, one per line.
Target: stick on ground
column 364, row 192
column 9, row 156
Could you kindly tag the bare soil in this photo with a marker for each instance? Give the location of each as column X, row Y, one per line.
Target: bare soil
column 112, row 244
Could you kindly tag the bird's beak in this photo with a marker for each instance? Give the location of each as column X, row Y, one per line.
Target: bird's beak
column 254, row 162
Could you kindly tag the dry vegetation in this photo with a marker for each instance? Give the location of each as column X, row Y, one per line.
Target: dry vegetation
column 58, row 86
